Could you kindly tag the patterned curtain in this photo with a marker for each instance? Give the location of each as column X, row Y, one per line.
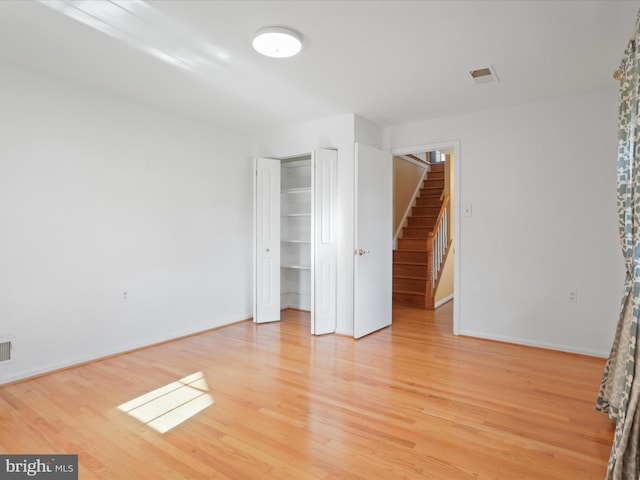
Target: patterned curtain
column 620, row 389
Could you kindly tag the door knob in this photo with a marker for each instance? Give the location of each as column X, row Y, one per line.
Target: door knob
column 362, row 252
column 268, row 250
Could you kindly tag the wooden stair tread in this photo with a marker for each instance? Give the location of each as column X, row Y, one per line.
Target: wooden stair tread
column 411, row 277
column 408, row 292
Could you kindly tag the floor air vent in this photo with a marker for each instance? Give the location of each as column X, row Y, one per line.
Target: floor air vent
column 6, row 345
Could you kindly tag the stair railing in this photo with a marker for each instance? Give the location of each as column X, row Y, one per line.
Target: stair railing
column 438, row 243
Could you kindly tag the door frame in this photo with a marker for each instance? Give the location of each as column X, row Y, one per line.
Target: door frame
column 455, row 146
column 331, row 232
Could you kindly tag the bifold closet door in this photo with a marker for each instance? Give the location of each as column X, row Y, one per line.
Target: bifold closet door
column 325, row 245
column 266, row 277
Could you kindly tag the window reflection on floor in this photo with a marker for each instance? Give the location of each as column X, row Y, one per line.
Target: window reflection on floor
column 169, row 406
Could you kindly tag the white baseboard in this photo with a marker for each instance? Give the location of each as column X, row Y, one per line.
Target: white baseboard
column 443, row 301
column 76, row 361
column 532, row 343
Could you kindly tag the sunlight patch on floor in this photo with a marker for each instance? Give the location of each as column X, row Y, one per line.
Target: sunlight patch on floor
column 170, row 405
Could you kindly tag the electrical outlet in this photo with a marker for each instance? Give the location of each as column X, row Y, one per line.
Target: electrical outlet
column 572, row 296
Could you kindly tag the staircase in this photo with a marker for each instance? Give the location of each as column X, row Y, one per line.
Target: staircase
column 424, row 244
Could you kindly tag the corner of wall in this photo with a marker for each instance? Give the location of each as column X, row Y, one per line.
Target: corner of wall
column 367, row 132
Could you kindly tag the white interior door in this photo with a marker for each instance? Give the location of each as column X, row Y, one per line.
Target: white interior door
column 266, row 305
column 373, row 240
column 325, row 255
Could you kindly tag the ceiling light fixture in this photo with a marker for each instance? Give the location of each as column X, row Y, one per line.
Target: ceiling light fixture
column 277, row 42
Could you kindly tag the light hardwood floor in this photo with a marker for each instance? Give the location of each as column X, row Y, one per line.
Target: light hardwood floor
column 410, row 401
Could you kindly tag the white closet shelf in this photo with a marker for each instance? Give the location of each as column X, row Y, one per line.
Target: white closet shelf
column 297, row 190
column 305, row 162
column 307, row 214
column 295, row 241
column 296, row 267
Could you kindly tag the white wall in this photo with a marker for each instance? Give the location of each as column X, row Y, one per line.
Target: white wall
column 335, row 132
column 367, row 132
column 541, row 179
column 100, row 195
column 406, row 178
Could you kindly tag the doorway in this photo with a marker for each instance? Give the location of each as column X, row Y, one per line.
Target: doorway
column 295, row 245
column 427, row 225
column 370, row 288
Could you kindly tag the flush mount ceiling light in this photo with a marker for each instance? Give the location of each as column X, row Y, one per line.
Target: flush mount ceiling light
column 277, row 42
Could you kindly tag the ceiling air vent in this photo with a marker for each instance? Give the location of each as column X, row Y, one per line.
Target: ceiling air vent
column 484, row 75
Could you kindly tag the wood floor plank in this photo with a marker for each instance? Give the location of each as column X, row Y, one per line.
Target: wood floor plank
column 410, row 401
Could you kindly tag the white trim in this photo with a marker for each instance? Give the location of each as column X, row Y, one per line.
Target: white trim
column 254, row 241
column 109, row 352
column 401, row 225
column 455, row 146
column 429, row 147
column 529, row 343
column 443, row 301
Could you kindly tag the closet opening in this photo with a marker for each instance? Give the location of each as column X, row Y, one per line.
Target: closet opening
column 295, row 245
column 296, row 233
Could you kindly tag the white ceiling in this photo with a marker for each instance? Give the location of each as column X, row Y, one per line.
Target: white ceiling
column 389, row 61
